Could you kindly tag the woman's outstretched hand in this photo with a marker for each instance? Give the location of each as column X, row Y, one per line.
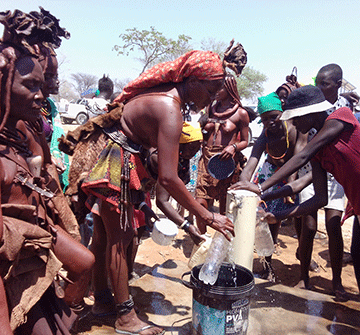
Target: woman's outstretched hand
column 222, row 224
column 150, row 216
column 270, row 218
column 195, row 234
column 245, row 185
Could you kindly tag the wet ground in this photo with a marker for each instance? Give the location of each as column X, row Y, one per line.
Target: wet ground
column 276, row 308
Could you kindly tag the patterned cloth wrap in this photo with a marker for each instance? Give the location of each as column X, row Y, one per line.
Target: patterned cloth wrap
column 265, row 171
column 208, row 187
column 193, row 169
column 204, row 65
column 104, row 179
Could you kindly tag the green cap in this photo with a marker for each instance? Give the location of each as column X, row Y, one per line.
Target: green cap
column 270, row 102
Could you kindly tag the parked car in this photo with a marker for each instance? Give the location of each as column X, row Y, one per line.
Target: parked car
column 80, row 110
column 71, row 111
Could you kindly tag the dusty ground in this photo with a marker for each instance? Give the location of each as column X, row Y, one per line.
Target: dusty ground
column 286, row 266
column 150, row 256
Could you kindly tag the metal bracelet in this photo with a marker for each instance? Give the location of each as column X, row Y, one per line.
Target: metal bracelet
column 260, row 189
column 142, row 204
column 235, row 146
column 185, row 225
column 213, row 218
column 125, row 307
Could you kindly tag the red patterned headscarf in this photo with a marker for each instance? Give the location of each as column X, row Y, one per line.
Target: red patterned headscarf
column 204, row 65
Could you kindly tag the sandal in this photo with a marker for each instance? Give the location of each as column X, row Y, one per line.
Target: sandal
column 125, row 308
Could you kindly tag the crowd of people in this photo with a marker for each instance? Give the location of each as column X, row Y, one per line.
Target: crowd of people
column 145, row 141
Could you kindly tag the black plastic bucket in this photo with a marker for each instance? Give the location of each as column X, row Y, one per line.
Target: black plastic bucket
column 222, row 308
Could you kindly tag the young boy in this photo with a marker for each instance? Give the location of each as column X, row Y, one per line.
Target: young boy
column 329, row 80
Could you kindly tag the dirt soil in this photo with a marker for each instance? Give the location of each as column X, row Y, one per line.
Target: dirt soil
column 285, row 264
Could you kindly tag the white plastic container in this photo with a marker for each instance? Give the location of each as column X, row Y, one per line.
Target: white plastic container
column 199, row 252
column 264, row 244
column 217, row 253
column 164, row 231
column 241, row 209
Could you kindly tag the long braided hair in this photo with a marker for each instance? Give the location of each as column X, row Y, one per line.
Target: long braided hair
column 231, row 87
column 35, row 34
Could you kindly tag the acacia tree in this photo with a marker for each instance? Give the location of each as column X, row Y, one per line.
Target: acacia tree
column 153, row 46
column 84, row 81
column 250, row 83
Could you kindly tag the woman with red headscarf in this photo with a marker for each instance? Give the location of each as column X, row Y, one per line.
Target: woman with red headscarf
column 151, row 117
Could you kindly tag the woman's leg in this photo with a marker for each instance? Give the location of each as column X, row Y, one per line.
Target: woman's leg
column 78, row 261
column 4, row 311
column 104, row 302
column 132, row 250
column 308, row 231
column 355, row 249
column 336, row 246
column 118, row 241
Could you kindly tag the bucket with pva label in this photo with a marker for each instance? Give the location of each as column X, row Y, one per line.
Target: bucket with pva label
column 222, row 308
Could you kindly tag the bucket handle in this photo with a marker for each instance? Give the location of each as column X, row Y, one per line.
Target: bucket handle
column 186, row 283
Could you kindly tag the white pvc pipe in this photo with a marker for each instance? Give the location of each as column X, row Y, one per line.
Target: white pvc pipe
column 241, row 209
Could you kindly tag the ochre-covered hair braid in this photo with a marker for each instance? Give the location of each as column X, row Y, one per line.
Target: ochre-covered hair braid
column 231, row 87
column 35, row 34
column 7, row 61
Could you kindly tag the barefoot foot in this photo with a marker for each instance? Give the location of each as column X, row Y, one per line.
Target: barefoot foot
column 303, row 284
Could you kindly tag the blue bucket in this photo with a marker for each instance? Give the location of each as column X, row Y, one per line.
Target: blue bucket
column 222, row 308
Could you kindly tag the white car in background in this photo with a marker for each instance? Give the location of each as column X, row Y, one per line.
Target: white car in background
column 71, row 111
column 80, row 110
column 255, row 127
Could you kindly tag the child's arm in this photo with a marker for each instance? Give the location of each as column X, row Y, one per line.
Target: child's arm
column 330, row 130
column 319, row 199
column 257, row 151
column 291, row 188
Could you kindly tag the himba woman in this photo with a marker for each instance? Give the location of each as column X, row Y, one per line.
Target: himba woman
column 226, row 133
column 279, row 141
column 151, row 118
column 34, row 245
column 50, row 116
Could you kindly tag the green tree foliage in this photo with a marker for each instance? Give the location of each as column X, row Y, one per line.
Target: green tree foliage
column 153, row 46
column 250, row 83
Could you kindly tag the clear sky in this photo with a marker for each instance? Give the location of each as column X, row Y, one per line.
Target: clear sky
column 277, row 35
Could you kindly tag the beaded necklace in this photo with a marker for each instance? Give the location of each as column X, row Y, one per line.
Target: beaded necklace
column 287, row 144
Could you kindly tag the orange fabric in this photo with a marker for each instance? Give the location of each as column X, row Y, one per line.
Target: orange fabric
column 204, row 65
